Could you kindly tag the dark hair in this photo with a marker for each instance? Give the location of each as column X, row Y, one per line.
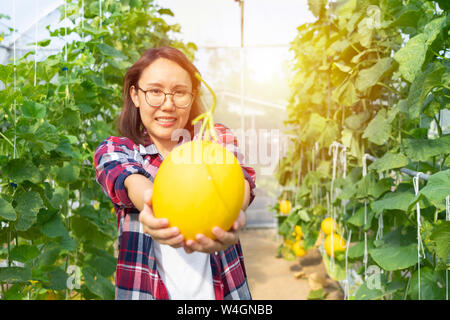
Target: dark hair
column 129, row 123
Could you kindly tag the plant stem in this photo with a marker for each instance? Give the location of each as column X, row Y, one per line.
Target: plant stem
column 9, row 141
column 388, row 87
column 438, row 125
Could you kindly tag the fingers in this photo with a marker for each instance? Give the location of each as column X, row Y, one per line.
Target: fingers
column 240, row 222
column 224, row 239
column 148, row 197
column 227, row 238
column 158, row 228
column 147, row 218
column 204, row 244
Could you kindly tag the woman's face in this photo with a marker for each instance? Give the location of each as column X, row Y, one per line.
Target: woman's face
column 167, row 76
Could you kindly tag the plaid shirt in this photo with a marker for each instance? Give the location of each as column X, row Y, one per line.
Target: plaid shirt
column 136, row 274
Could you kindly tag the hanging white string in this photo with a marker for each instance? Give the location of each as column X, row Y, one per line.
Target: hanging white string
column 366, row 257
column 82, row 20
column 447, row 218
column 346, row 288
column 36, row 7
column 65, row 53
column 333, row 218
column 334, row 148
column 299, row 182
column 313, row 158
column 343, row 160
column 419, row 240
column 100, row 10
column 15, row 76
column 380, row 227
column 65, row 30
column 364, row 162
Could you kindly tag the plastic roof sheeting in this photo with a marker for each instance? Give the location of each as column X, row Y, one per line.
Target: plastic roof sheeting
column 29, row 18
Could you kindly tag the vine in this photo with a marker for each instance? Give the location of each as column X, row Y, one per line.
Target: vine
column 388, row 93
column 57, row 228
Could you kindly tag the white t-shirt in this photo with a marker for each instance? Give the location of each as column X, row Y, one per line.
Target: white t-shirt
column 186, row 276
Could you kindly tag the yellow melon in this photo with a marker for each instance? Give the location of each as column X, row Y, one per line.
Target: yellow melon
column 199, row 185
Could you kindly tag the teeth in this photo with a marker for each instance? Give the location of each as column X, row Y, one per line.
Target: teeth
column 166, row 119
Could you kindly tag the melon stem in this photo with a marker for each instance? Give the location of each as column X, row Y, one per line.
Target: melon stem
column 207, row 117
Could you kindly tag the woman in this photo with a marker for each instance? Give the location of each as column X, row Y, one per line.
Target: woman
column 155, row 262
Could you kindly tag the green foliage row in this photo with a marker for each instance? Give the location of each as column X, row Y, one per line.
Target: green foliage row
column 58, row 231
column 373, row 76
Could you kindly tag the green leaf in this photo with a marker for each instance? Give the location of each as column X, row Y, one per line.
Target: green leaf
column 317, row 294
column 50, row 255
column 6, row 73
column 103, row 265
column 358, row 218
column 424, row 149
column 68, row 173
column 70, row 118
column 7, row 212
column 389, row 161
column 44, row 43
column 370, row 76
column 441, row 237
column 338, row 271
column 317, row 7
column 356, row 121
column 357, row 250
column 59, row 197
column 398, row 200
column 378, row 130
column 378, row 188
column 316, row 125
column 303, row 214
column 432, row 284
column 407, row 16
column 67, row 242
column 412, row 56
column 110, row 51
column 46, row 136
column 329, row 134
column 344, row 11
column 395, row 257
column 19, row 170
column 381, row 286
column 84, row 229
column 422, row 85
column 58, row 279
column 65, row 146
column 348, row 191
column 364, row 293
column 54, row 227
column 98, row 284
column 365, row 184
column 24, row 253
column 28, row 205
column 437, row 188
column 166, row 12
column 15, row 274
column 34, row 110
column 345, row 94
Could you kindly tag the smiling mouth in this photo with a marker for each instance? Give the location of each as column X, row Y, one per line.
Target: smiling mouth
column 166, row 119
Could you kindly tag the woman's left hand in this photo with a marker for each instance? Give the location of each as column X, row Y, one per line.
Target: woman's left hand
column 223, row 241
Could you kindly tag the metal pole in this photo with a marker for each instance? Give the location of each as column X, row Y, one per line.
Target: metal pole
column 404, row 170
column 242, row 65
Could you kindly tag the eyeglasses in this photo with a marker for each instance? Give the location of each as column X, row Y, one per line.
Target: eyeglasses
column 156, row 97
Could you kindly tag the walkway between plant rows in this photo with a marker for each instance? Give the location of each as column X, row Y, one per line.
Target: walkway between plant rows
column 272, row 278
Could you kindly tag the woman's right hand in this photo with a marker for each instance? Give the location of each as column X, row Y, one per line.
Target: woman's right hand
column 159, row 229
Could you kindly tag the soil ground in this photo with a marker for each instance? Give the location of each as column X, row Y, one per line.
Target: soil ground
column 272, row 278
